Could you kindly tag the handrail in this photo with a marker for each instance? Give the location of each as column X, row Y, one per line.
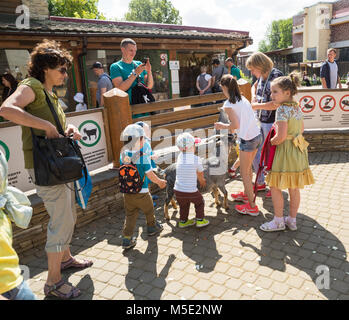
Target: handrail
column 174, row 103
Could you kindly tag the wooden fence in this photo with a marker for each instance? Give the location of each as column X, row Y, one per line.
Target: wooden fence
column 166, row 115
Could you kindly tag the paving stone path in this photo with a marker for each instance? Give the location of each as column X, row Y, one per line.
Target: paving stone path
column 230, row 259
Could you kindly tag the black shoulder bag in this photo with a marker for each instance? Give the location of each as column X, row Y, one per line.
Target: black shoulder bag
column 56, row 161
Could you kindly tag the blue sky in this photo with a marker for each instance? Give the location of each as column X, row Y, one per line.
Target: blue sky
column 245, row 15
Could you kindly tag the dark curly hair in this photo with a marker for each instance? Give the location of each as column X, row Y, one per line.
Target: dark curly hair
column 47, row 54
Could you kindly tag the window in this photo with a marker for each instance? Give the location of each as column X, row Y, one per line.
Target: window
column 343, row 54
column 107, row 58
column 311, row 54
column 15, row 62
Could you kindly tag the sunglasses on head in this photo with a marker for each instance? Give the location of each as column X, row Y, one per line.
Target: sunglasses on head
column 62, row 70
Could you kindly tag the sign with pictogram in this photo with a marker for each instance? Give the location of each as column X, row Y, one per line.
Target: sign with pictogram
column 307, row 104
column 163, row 56
column 5, row 150
column 163, row 63
column 344, row 103
column 327, row 103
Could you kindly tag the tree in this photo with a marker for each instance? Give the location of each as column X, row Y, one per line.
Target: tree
column 160, row 11
column 86, row 9
column 278, row 35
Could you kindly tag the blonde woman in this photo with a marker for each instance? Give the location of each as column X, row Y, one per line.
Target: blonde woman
column 262, row 67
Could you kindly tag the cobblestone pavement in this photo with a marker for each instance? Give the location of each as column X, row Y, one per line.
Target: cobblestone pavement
column 230, row 259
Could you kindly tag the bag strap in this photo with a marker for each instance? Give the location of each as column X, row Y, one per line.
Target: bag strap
column 58, row 124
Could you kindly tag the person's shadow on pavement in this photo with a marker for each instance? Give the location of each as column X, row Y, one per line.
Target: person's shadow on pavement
column 143, row 281
column 311, row 249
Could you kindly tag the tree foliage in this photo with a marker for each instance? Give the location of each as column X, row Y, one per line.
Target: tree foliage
column 278, row 35
column 85, row 9
column 159, row 11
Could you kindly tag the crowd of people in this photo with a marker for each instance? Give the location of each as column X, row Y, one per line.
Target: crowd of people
column 272, row 105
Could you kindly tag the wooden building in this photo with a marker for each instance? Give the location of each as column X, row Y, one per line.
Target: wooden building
column 99, row 40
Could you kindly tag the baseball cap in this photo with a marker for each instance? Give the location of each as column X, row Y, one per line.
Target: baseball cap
column 97, row 65
column 134, row 131
column 185, row 140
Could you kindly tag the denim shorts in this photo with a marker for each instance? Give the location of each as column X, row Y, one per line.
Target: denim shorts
column 22, row 292
column 251, row 145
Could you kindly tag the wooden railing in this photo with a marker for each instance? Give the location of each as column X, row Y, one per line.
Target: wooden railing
column 163, row 115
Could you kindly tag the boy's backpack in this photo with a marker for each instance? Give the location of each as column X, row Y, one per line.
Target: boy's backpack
column 267, row 156
column 129, row 178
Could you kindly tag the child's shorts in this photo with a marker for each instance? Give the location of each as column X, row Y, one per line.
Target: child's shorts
column 251, row 145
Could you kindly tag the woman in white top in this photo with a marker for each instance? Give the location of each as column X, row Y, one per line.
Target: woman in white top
column 243, row 120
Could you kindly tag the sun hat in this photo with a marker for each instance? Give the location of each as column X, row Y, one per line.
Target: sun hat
column 185, row 140
column 133, row 130
column 79, row 97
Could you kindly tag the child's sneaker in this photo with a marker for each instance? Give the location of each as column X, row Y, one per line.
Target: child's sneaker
column 232, row 173
column 155, row 229
column 202, row 223
column 240, row 197
column 261, row 187
column 188, row 223
column 128, row 243
column 246, row 209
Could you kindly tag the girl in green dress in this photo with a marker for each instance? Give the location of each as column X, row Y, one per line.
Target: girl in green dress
column 290, row 168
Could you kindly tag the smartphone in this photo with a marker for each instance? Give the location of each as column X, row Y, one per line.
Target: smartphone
column 145, row 60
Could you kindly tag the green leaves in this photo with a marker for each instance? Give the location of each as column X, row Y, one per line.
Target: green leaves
column 85, row 9
column 278, row 35
column 158, row 11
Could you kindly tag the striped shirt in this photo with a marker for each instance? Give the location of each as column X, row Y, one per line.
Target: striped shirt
column 186, row 174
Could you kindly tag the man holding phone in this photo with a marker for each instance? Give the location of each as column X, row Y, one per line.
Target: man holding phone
column 125, row 72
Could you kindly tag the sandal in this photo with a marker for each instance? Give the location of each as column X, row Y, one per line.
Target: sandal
column 54, row 291
column 272, row 226
column 73, row 263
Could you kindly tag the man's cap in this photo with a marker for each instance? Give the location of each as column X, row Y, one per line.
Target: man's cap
column 215, row 61
column 185, row 140
column 97, row 65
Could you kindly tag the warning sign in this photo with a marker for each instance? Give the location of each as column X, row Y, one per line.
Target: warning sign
column 307, row 104
column 344, row 103
column 327, row 103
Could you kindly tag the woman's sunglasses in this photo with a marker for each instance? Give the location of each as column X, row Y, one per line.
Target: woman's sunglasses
column 63, row 70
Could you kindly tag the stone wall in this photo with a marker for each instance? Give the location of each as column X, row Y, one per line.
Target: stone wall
column 339, row 6
column 327, row 140
column 340, row 32
column 38, row 8
column 297, row 40
column 107, row 200
column 298, row 19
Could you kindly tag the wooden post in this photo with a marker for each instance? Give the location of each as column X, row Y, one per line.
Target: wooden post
column 245, row 89
column 117, row 103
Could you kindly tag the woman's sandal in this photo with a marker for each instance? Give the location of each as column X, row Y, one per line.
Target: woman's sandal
column 272, row 226
column 53, row 291
column 73, row 263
